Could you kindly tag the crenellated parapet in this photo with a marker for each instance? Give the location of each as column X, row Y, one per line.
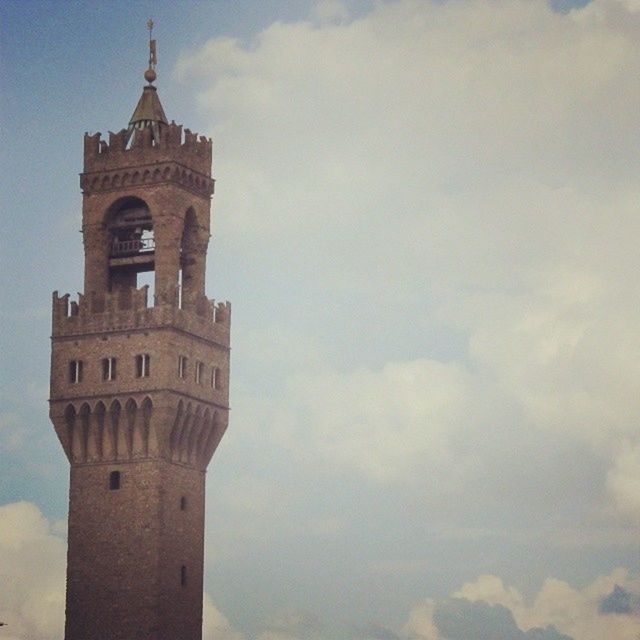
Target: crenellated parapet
column 126, row 310
column 174, row 145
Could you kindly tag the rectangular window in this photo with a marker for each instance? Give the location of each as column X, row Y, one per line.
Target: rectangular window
column 143, row 363
column 114, row 480
column 182, row 366
column 199, row 372
column 215, row 378
column 75, row 371
column 108, row 369
column 183, row 576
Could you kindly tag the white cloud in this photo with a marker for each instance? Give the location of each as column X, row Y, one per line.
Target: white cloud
column 572, row 611
column 331, row 11
column 623, row 482
column 292, row 624
column 33, row 558
column 214, row 624
column 420, row 625
column 459, row 168
column 380, row 422
column 32, row 567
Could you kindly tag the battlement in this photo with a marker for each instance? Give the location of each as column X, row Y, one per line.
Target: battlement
column 126, row 309
column 174, row 144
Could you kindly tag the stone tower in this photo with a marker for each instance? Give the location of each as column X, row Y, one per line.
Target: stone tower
column 139, row 387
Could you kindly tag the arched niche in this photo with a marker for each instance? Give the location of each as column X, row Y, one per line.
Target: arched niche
column 130, row 234
column 192, row 260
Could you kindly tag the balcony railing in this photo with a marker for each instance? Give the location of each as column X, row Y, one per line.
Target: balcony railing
column 121, row 248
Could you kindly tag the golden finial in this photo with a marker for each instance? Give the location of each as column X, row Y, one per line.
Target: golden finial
column 150, row 73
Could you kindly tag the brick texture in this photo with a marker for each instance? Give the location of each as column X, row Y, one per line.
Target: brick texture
column 135, row 557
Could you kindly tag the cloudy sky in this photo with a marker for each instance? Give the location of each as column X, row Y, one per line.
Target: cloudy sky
column 427, row 218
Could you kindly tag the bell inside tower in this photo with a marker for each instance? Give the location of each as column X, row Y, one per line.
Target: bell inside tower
column 131, row 242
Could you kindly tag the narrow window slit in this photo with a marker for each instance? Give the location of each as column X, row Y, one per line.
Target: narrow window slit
column 114, row 480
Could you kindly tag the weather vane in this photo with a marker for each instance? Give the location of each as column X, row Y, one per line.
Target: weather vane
column 150, row 73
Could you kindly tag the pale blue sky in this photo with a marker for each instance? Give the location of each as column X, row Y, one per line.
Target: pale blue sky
column 425, row 219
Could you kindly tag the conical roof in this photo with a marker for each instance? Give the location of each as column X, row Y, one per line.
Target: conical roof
column 148, row 109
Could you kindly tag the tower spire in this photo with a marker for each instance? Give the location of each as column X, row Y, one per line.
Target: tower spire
column 149, row 113
column 150, row 73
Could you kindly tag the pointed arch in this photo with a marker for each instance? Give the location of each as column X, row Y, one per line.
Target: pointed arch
column 186, row 426
column 215, row 435
column 85, row 416
column 175, row 429
column 147, row 408
column 70, row 422
column 114, row 425
column 203, row 435
column 193, row 436
column 99, row 412
column 130, row 411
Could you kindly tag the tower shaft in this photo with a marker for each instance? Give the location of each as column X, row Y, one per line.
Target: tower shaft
column 139, row 385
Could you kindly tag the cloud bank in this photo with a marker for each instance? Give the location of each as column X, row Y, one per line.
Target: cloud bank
column 443, row 197
column 435, row 205
column 33, row 560
column 33, row 555
column 33, row 566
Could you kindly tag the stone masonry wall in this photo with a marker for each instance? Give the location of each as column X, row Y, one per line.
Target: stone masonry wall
column 126, row 551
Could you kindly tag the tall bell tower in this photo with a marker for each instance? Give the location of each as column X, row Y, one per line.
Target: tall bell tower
column 140, row 386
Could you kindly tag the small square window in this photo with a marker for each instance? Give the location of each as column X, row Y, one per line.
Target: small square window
column 75, row 371
column 108, row 369
column 143, row 365
column 182, row 366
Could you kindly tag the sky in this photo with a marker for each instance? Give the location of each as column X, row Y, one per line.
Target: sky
column 426, row 218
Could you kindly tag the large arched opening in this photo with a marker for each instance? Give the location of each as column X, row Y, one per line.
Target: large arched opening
column 131, row 241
